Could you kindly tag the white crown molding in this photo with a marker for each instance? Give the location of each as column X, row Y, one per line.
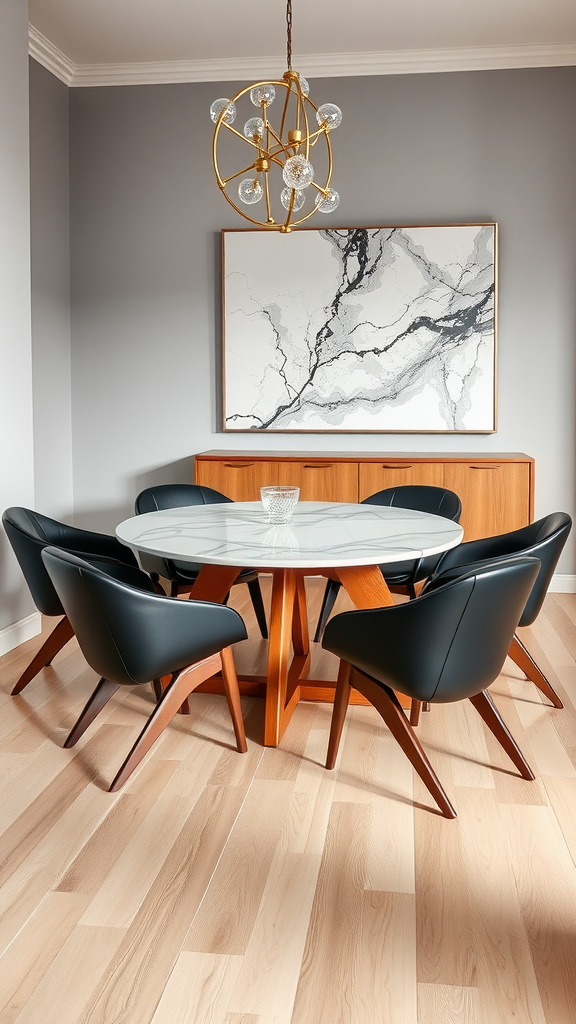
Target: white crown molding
column 323, row 65
column 50, row 56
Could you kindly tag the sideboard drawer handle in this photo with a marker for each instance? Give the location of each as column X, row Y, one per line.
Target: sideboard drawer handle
column 495, row 466
column 396, row 465
column 324, row 465
column 238, row 465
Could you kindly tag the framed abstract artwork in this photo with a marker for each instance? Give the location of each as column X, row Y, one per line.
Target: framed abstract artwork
column 384, row 329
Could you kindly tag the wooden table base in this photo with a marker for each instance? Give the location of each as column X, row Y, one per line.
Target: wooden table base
column 286, row 679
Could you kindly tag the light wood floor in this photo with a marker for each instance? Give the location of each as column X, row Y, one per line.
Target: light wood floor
column 220, row 888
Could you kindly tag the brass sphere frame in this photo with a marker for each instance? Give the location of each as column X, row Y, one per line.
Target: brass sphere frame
column 267, row 155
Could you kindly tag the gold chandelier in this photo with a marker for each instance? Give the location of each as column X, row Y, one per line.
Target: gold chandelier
column 279, row 155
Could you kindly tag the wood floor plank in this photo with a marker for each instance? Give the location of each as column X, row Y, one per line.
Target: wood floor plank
column 28, row 958
column 244, row 1018
column 447, row 1004
column 470, row 764
column 446, row 951
column 119, row 897
column 198, row 990
column 28, row 778
column 43, row 868
column 385, row 983
column 546, row 881
column 226, row 918
column 559, row 622
column 358, row 757
column 132, row 985
column 96, row 859
column 505, row 971
column 390, row 845
column 270, row 969
column 326, row 991
column 283, row 762
column 561, row 793
column 72, row 977
column 37, row 819
column 548, row 757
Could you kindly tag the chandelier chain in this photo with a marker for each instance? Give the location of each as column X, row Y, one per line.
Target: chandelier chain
column 289, row 34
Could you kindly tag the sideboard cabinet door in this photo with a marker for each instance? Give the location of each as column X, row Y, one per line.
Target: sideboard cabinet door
column 321, row 481
column 495, row 496
column 239, row 479
column 375, row 476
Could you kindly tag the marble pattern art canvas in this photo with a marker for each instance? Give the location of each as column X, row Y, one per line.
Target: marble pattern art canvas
column 360, row 329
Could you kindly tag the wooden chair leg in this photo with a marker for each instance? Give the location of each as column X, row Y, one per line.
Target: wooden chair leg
column 415, row 709
column 525, row 661
column 160, row 685
column 341, row 699
column 387, row 705
column 258, row 605
column 230, row 680
column 59, row 636
column 99, row 698
column 179, row 689
column 486, row 707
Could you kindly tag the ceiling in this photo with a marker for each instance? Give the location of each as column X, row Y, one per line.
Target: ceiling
column 125, row 33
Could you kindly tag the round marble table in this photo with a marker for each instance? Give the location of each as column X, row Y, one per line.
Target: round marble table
column 346, row 542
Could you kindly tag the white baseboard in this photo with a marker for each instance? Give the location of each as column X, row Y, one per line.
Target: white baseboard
column 563, row 583
column 18, row 632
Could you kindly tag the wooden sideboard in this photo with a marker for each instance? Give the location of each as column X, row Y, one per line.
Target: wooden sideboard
column 496, row 489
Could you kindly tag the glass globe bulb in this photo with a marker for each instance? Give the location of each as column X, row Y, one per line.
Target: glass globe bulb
column 298, row 172
column 254, row 127
column 304, row 85
column 262, row 95
column 330, row 115
column 327, row 204
column 218, row 106
column 299, row 198
column 250, row 191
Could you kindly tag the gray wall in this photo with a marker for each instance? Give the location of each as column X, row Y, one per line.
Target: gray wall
column 50, row 267
column 146, row 216
column 16, row 453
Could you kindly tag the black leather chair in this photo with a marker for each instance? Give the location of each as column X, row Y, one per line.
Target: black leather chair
column 401, row 577
column 448, row 644
column 130, row 634
column 29, row 533
column 182, row 575
column 544, row 540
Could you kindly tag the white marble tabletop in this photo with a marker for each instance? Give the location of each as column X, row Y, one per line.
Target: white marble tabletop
column 320, row 534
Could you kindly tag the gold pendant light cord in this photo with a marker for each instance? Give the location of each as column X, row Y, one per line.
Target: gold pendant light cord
column 289, row 34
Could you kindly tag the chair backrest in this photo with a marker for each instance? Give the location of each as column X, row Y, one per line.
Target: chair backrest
column 439, row 501
column 422, row 498
column 447, row 644
column 127, row 632
column 163, row 496
column 30, row 532
column 543, row 540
